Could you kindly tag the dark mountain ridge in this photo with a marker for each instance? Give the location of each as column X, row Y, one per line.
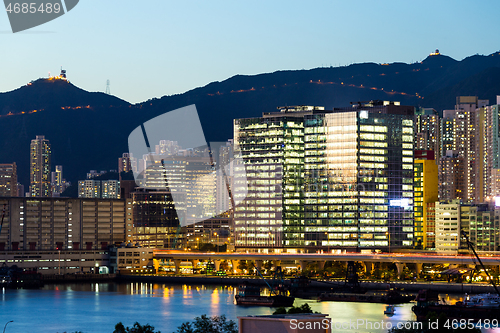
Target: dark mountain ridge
column 54, row 92
column 90, row 130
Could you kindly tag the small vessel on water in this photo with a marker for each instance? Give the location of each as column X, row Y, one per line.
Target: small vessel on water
column 390, row 310
column 482, row 300
column 5, row 281
column 428, row 301
column 15, row 277
column 250, row 295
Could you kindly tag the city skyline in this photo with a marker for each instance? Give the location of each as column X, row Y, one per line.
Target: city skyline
column 333, row 148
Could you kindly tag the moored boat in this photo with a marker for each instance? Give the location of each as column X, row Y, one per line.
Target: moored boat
column 482, row 300
column 389, row 310
column 428, row 301
column 250, row 295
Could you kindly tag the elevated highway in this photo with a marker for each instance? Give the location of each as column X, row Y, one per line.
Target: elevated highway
column 385, row 257
column 400, row 259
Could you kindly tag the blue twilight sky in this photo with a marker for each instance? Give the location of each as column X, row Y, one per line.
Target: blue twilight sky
column 151, row 48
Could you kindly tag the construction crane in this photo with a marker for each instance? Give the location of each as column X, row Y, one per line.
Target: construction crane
column 473, row 250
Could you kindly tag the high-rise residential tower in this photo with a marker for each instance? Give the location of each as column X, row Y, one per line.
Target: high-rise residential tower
column 89, row 188
column 488, row 159
column 8, row 180
column 57, row 183
column 466, row 143
column 464, row 136
column 451, row 176
column 40, row 159
column 427, row 130
column 124, row 163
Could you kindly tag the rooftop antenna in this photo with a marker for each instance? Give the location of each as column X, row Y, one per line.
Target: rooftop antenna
column 108, row 90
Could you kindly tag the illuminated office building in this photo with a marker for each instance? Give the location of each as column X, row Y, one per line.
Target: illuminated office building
column 359, row 178
column 8, row 180
column 484, row 226
column 40, row 167
column 155, row 220
column 448, row 226
column 426, row 194
column 480, row 222
column 217, row 231
column 193, row 177
column 318, row 179
column 271, row 179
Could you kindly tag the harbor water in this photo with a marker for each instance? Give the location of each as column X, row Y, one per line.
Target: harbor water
column 97, row 307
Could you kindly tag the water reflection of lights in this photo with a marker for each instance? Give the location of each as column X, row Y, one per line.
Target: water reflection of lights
column 166, row 292
column 215, row 296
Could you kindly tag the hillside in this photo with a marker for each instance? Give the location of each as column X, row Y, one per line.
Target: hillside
column 53, row 93
column 90, row 130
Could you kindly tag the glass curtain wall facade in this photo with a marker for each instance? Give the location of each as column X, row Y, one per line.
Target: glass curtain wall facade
column 331, row 203
column 156, row 223
column 273, row 152
column 326, row 180
column 359, row 180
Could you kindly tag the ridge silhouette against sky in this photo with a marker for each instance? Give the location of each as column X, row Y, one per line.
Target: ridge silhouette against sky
column 161, row 47
column 91, row 130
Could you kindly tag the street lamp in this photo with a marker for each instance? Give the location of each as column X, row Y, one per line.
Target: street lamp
column 327, row 242
column 6, row 325
column 217, row 241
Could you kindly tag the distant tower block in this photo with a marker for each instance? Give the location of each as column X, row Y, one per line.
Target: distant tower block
column 108, row 89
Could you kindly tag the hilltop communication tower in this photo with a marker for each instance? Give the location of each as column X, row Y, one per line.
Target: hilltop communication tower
column 108, row 90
